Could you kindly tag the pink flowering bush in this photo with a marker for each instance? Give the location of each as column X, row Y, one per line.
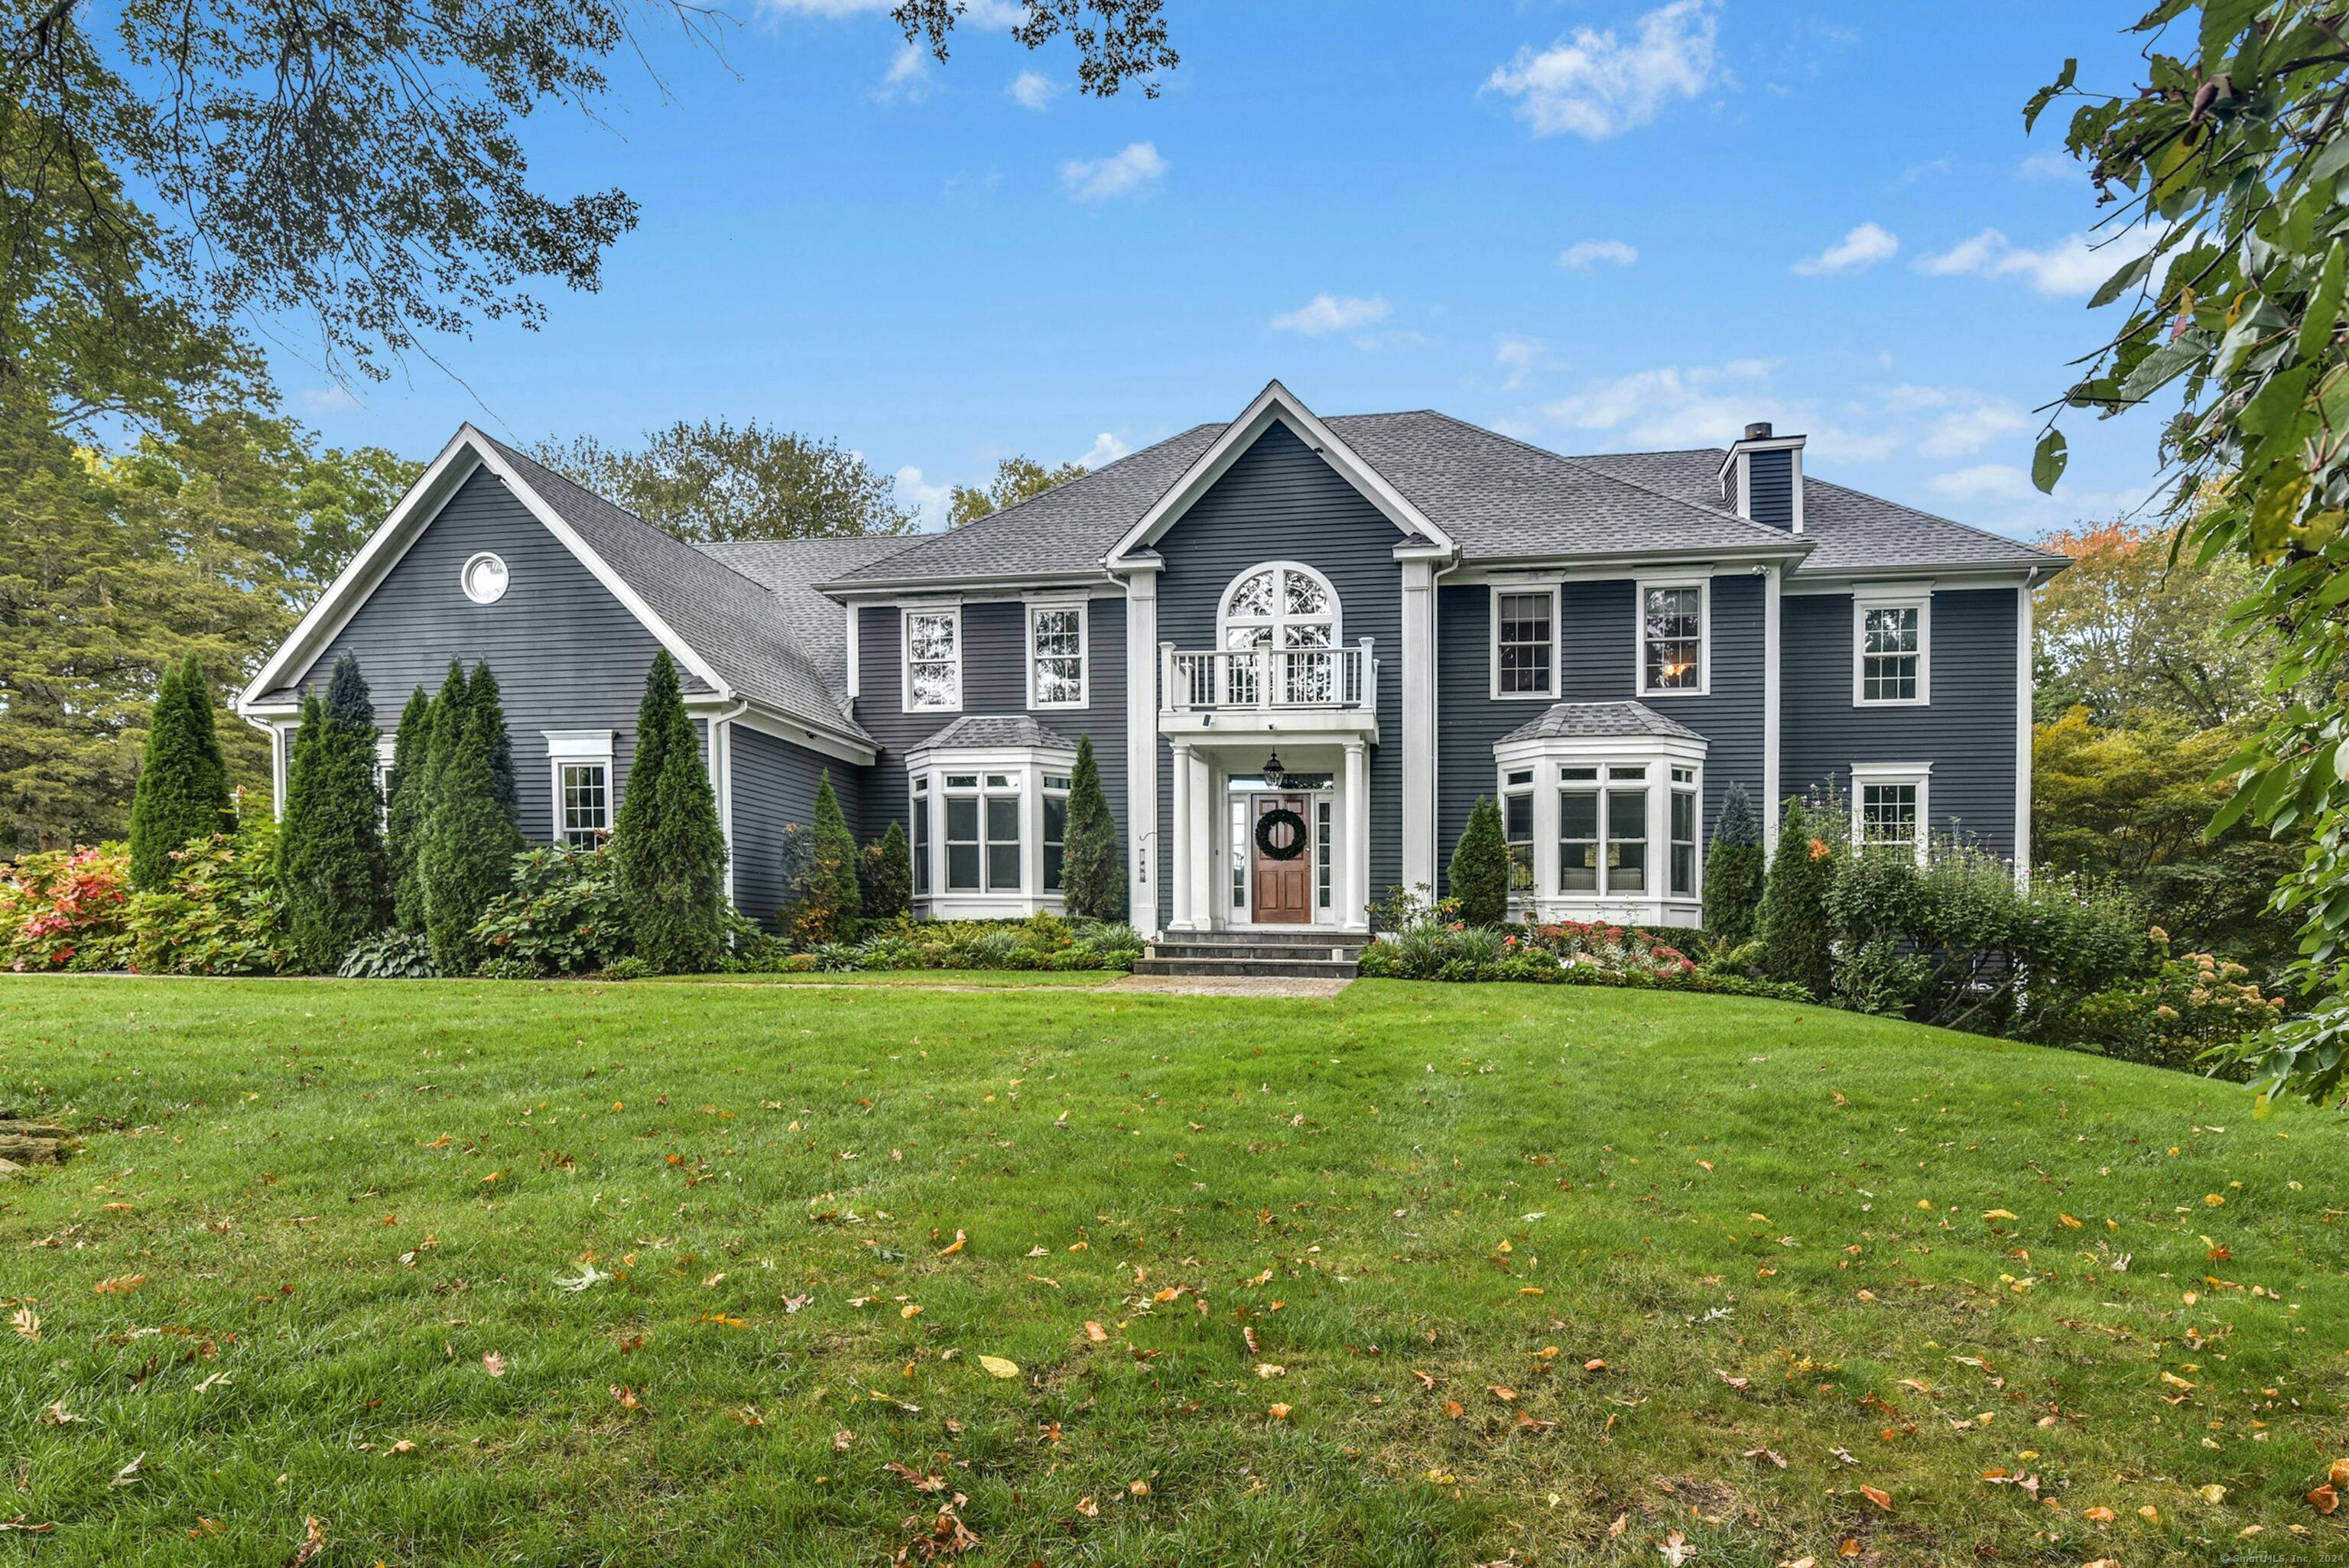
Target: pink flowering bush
column 66, row 909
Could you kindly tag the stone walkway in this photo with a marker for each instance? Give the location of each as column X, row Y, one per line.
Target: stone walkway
column 1227, row 986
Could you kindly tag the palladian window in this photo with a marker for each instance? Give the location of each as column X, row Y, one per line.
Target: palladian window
column 1285, row 617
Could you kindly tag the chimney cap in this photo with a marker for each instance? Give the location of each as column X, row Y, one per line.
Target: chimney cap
column 1758, row 431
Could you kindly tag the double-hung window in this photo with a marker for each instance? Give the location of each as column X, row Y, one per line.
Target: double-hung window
column 1056, row 656
column 982, row 832
column 1889, row 638
column 962, row 800
column 921, row 844
column 1056, row 828
column 1517, row 827
column 581, row 763
column 1603, row 829
column 934, row 659
column 1003, row 797
column 1672, row 638
column 1683, row 829
column 1889, row 806
column 1524, row 642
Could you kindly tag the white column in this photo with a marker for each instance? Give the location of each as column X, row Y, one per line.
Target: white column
column 1178, row 861
column 2023, row 695
column 1143, row 849
column 1418, row 674
column 1771, row 587
column 1199, row 787
column 1354, row 879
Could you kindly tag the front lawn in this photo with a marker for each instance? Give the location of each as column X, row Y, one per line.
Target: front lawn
column 671, row 1273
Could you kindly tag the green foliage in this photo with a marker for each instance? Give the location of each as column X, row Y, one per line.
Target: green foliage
column 2190, row 1013
column 2135, row 633
column 1039, row 942
column 713, row 483
column 470, row 836
column 1480, row 866
column 221, row 914
column 1733, row 870
column 666, row 842
column 409, row 790
column 330, row 856
column 2227, row 163
column 390, row 956
column 562, row 915
column 1793, row 924
column 630, row 969
column 481, row 692
column 182, row 791
column 1016, row 478
column 884, row 874
column 66, row 909
column 1092, row 865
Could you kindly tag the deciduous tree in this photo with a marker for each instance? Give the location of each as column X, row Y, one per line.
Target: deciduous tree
column 1015, row 479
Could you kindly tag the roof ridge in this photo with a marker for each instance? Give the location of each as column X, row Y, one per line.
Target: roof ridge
column 1615, row 478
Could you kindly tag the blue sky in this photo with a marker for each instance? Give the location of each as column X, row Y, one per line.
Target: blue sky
column 1593, row 224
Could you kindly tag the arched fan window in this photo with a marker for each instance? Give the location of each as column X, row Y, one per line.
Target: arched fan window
column 1285, row 615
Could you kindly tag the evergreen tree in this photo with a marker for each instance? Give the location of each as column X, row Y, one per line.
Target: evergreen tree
column 1093, row 868
column 1792, row 924
column 330, row 858
column 1480, row 866
column 404, row 810
column 483, row 689
column 471, row 836
column 1733, row 870
column 182, row 790
column 670, row 851
column 885, row 875
column 837, row 851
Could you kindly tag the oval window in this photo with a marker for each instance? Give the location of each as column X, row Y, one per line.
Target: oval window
column 485, row 579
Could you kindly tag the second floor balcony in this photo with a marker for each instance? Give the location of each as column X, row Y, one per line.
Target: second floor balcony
column 1302, row 687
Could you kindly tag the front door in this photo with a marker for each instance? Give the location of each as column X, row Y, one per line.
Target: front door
column 1281, row 851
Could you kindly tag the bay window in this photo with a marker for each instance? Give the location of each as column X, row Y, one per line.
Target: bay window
column 989, row 800
column 1603, row 822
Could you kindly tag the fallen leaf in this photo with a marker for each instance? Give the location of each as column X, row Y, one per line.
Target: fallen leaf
column 404, row 1446
column 2098, row 1514
column 314, row 1541
column 1138, row 1488
column 1616, row 1529
column 2214, row 1494
column 26, row 1323
column 953, row 1246
column 128, row 1476
column 840, row 1440
column 1594, row 1365
column 997, row 1367
column 1278, row 1412
column 1882, row 1499
column 119, row 1285
column 2324, row 1499
column 626, row 1396
column 1095, row 1332
column 1675, row 1549
column 1270, row 1370
column 909, row 1310
column 1998, row 1214
column 1089, row 1508
column 493, row 1364
column 1768, row 1455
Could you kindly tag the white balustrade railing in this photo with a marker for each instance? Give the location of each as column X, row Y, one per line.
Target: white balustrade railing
column 1268, row 677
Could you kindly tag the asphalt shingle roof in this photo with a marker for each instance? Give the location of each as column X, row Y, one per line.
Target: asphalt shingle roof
column 790, row 568
column 980, row 730
column 1598, row 720
column 726, row 617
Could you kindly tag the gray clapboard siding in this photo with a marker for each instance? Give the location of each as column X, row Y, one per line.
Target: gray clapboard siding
column 993, row 681
column 1279, row 501
column 1770, row 486
column 774, row 787
column 1966, row 732
column 566, row 654
column 1598, row 664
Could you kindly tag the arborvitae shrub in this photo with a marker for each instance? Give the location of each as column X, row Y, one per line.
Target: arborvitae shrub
column 1480, row 867
column 1794, row 928
column 182, row 790
column 471, row 836
column 1092, row 868
column 1733, row 870
column 670, row 850
column 885, row 875
column 330, row 860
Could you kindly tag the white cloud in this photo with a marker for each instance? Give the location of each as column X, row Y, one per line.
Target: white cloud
column 928, row 502
column 1596, row 85
column 1120, row 174
column 2051, row 166
column 335, row 399
column 1915, row 171
column 1856, row 251
column 2000, row 496
column 908, row 77
column 2075, row 264
column 1700, row 406
column 1325, row 314
column 1955, row 422
column 1106, row 449
column 1032, row 89
column 1520, row 357
column 828, row 10
column 1584, row 254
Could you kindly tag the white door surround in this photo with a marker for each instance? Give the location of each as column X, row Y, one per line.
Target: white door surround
column 1215, row 787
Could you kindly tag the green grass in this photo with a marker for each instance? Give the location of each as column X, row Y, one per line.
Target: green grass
column 341, row 1197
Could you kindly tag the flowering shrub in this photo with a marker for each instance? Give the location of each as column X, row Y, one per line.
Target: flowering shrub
column 221, row 914
column 2186, row 1006
column 562, row 916
column 64, row 909
column 1617, row 947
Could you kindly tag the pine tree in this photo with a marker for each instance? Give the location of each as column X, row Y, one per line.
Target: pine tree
column 1733, row 870
column 885, row 875
column 1793, row 925
column 182, row 791
column 330, row 860
column 471, row 836
column 1480, row 866
column 404, row 810
column 483, row 689
column 1093, row 868
column 670, row 850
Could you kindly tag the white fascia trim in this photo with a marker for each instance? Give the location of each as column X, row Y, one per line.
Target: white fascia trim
column 1587, row 569
column 2005, row 575
column 783, row 726
column 905, row 613
column 894, row 589
column 1549, row 589
column 469, row 450
column 855, row 666
column 1275, row 404
column 1701, row 580
column 1892, row 596
column 1921, row 774
column 1084, row 651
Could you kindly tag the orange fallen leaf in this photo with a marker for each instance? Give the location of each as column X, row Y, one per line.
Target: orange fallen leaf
column 1278, row 1412
column 953, row 1246
column 493, row 1364
column 1089, row 1508
column 1882, row 1499
column 120, row 1284
column 2324, row 1499
column 1095, row 1332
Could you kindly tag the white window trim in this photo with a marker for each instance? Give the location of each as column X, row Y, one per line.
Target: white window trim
column 1639, row 587
column 387, row 752
column 1548, row 756
column 905, row 615
column 1028, row 765
column 1918, row 599
column 1921, row 774
column 465, row 577
column 1084, row 652
column 571, row 747
column 1493, row 642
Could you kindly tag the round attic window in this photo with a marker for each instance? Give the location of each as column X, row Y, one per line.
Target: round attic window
column 485, row 579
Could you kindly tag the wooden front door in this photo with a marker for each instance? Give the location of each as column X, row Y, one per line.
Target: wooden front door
column 1280, row 845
